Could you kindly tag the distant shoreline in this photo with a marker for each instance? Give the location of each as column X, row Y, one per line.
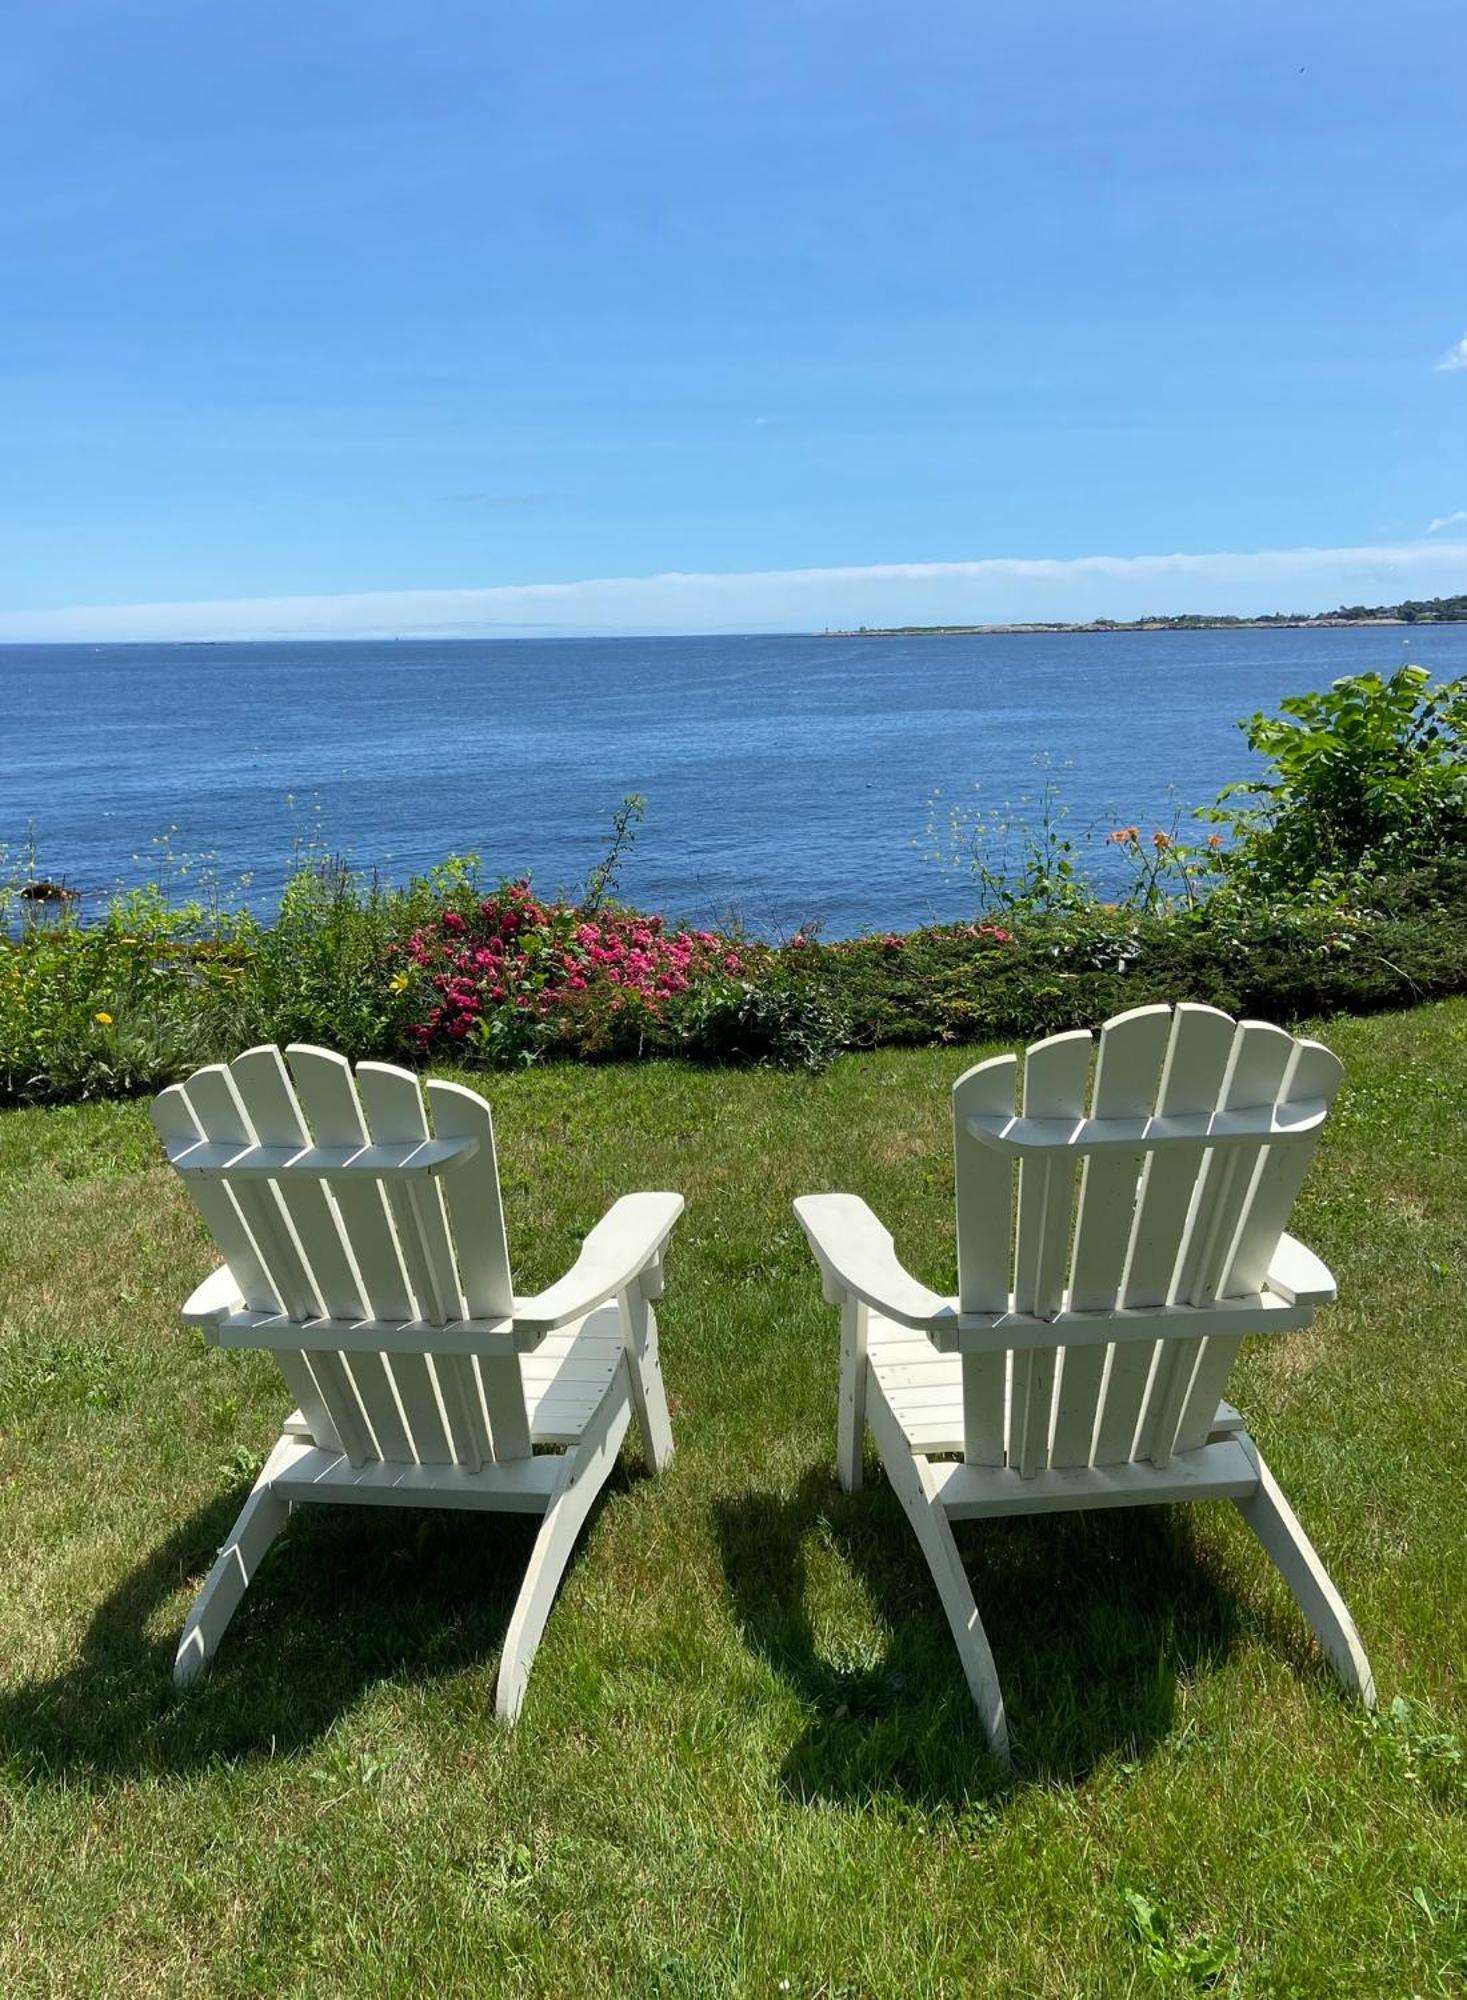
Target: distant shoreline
column 1325, row 623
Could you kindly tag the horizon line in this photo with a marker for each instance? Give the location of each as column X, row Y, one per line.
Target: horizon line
column 732, row 603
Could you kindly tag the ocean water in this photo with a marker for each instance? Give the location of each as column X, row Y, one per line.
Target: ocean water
column 786, row 778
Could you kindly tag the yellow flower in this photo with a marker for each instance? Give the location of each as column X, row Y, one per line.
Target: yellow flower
column 105, row 1019
column 398, row 984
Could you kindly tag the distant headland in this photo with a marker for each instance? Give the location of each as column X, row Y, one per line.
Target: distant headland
column 1413, row 611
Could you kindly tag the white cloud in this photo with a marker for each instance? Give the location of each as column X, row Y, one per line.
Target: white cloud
column 1446, row 521
column 983, row 591
column 1455, row 357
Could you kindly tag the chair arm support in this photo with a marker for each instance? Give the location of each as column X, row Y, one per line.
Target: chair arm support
column 1298, row 1276
column 856, row 1256
column 625, row 1243
column 212, row 1302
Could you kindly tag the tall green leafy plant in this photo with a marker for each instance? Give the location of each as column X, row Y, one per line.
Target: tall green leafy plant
column 1365, row 779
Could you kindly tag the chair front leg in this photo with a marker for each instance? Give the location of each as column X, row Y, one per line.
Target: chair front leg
column 644, row 1368
column 850, row 1448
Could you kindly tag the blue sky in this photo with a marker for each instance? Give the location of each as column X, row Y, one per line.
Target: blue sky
column 805, row 312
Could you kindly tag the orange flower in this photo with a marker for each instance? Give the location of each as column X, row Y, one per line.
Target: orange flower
column 1124, row 836
column 1161, row 842
column 1214, row 840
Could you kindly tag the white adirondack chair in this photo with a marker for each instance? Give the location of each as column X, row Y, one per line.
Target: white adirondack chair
column 1101, row 1307
column 369, row 1257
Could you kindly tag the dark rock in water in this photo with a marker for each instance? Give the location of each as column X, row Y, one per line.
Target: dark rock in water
column 47, row 892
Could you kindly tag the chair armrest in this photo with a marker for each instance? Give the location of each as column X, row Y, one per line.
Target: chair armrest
column 1298, row 1276
column 625, row 1242
column 211, row 1303
column 856, row 1255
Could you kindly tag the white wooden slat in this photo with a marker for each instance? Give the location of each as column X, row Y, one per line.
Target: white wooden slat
column 301, row 1382
column 1313, row 1073
column 261, row 1089
column 1256, row 1067
column 1208, row 1383
column 222, row 1117
column 174, row 1120
column 393, row 1107
column 1192, row 1078
column 475, row 1208
column 264, row 1086
column 1127, row 1078
column 1127, row 1075
column 378, row 1397
column 1220, row 1471
column 1031, row 1422
column 475, row 1211
column 1176, row 1366
column 338, row 1391
column 458, row 1385
column 984, row 1379
column 1056, row 1073
column 1077, row 1404
column 417, row 1392
column 327, row 1095
column 1196, row 1064
column 418, row 1160
column 1021, row 1137
column 1260, row 1061
column 984, row 1185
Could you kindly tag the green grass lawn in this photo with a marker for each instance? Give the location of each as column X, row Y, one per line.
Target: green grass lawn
column 747, row 1761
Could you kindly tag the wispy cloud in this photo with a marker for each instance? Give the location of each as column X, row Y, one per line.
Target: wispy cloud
column 1455, row 357
column 985, row 590
column 498, row 499
column 1446, row 521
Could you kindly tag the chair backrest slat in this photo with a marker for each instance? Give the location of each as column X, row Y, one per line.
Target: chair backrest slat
column 474, row 1205
column 1191, row 1162
column 176, row 1124
column 327, row 1094
column 1056, row 1073
column 266, row 1092
column 476, row 1213
column 385, row 1240
column 1256, row 1067
column 392, row 1104
column 985, row 1188
column 1193, row 1072
column 222, row 1118
column 1313, row 1074
column 1127, row 1073
column 1192, row 1078
column 985, row 1202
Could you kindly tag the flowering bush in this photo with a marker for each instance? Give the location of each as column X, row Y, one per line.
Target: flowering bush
column 511, row 976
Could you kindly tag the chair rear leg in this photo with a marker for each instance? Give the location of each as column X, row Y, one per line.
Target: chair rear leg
column 584, row 1470
column 644, row 1368
column 912, row 1482
column 850, row 1437
column 1273, row 1521
column 260, row 1520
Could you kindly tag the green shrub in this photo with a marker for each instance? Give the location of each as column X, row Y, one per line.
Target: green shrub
column 790, row 1025
column 1365, row 780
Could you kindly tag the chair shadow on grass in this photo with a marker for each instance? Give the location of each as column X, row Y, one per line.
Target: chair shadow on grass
column 347, row 1598
column 1095, row 1619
